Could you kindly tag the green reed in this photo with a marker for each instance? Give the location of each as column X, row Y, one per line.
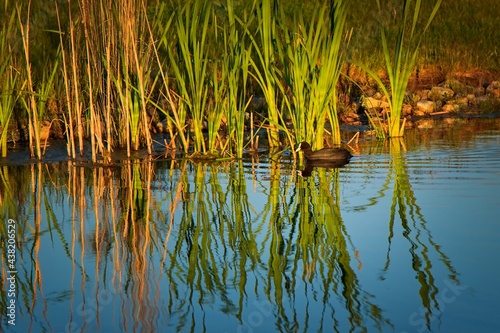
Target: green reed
column 8, row 79
column 197, row 64
column 217, row 110
column 190, row 62
column 267, row 48
column 401, row 62
column 236, row 69
column 312, row 67
column 131, row 104
column 174, row 113
column 135, row 72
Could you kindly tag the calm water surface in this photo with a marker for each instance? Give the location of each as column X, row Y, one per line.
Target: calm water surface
column 405, row 238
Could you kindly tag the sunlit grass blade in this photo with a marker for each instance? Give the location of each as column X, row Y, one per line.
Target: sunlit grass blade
column 312, row 67
column 176, row 116
column 236, row 66
column 400, row 63
column 8, row 80
column 190, row 64
column 266, row 47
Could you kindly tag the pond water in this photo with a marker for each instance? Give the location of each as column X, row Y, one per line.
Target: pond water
column 405, row 238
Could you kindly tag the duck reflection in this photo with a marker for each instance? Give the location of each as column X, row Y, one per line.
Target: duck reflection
column 328, row 165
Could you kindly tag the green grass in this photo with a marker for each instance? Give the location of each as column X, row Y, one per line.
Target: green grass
column 463, row 35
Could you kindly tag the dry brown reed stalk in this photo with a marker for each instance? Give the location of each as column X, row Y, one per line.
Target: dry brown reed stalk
column 31, row 106
column 92, row 23
column 37, row 193
column 119, row 60
column 70, row 136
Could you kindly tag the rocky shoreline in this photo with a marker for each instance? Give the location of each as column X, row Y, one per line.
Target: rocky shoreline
column 469, row 93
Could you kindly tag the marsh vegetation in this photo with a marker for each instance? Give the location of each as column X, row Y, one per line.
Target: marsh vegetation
column 211, row 77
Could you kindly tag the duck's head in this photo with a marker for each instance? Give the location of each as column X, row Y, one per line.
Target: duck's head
column 304, row 146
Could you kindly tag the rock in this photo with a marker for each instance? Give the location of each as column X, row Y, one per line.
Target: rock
column 354, row 115
column 494, row 88
column 462, row 102
column 384, row 112
column 418, row 113
column 458, row 87
column 384, row 105
column 407, row 109
column 378, row 95
column 371, row 102
column 426, row 106
column 471, row 98
column 450, row 107
column 440, row 93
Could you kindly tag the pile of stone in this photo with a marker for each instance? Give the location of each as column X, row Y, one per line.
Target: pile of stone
column 450, row 97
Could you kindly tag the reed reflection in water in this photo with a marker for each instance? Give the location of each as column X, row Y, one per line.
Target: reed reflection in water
column 240, row 246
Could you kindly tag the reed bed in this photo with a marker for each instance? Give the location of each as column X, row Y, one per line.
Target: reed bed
column 192, row 70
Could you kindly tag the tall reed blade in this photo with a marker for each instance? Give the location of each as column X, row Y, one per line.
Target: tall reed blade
column 8, row 81
column 30, row 105
column 190, row 64
column 400, row 63
column 267, row 49
column 236, row 65
column 312, row 67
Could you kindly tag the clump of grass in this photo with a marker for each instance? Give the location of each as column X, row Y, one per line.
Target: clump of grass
column 266, row 48
column 312, row 67
column 236, row 71
column 8, row 79
column 190, row 62
column 400, row 62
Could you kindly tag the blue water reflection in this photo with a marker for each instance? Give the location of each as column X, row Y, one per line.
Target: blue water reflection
column 403, row 239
